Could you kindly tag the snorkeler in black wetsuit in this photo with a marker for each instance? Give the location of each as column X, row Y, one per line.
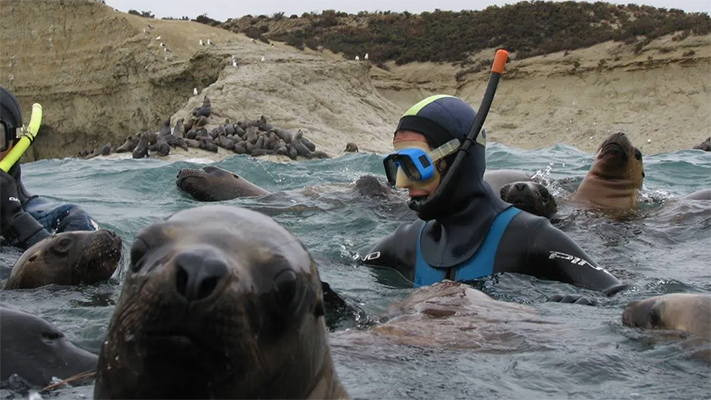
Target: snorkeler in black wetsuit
column 469, row 232
column 26, row 219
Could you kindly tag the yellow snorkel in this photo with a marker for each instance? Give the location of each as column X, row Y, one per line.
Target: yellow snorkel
column 28, row 136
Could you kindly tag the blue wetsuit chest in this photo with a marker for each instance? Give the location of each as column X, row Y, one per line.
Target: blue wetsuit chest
column 481, row 264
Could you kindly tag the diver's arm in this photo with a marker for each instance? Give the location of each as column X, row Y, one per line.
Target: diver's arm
column 555, row 256
column 14, row 221
column 397, row 251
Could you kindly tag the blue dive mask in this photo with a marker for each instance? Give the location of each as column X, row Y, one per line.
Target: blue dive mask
column 417, row 164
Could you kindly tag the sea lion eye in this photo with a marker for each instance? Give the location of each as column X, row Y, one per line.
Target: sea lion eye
column 63, row 245
column 138, row 251
column 285, row 287
column 52, row 335
column 637, row 154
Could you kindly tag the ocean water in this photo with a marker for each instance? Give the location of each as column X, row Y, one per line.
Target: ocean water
column 586, row 353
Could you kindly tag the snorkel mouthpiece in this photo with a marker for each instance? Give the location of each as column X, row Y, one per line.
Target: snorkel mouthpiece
column 28, row 136
column 429, row 207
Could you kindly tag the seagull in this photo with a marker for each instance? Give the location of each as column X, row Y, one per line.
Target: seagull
column 158, row 38
column 195, row 92
column 262, row 58
column 166, row 50
column 209, row 42
column 357, row 58
column 366, row 56
column 272, row 44
column 201, row 43
column 253, row 41
column 162, row 45
column 234, row 63
column 150, row 26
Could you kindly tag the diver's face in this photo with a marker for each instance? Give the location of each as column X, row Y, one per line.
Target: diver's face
column 408, row 139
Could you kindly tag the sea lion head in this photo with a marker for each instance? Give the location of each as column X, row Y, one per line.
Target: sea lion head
column 531, row 197
column 67, row 258
column 214, row 184
column 351, row 147
column 618, row 159
column 688, row 312
column 219, row 302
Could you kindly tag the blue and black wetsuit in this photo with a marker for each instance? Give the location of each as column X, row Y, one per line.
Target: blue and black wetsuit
column 517, row 242
column 471, row 233
column 39, row 217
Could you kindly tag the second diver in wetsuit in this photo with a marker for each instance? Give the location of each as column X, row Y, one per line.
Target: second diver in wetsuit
column 470, row 233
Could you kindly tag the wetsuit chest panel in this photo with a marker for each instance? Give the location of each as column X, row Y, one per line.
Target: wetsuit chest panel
column 481, row 264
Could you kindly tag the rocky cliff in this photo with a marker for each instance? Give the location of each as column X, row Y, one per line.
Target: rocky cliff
column 102, row 75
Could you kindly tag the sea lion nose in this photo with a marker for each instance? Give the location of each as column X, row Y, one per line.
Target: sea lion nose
column 520, row 186
column 198, row 273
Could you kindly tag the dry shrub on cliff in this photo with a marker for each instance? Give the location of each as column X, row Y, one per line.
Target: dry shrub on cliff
column 528, row 28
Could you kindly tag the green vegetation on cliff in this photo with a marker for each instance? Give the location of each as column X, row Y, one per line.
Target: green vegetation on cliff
column 527, row 28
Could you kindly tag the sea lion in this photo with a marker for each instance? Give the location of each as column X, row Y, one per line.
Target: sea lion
column 203, row 111
column 128, row 145
column 351, row 148
column 215, row 184
column 615, row 178
column 218, row 302
column 299, row 145
column 37, row 351
column 452, row 315
column 67, row 258
column 283, row 134
column 209, row 146
column 160, row 146
column 705, row 145
column 192, row 143
column 165, row 128
column 704, row 194
column 686, row 312
column 178, row 129
column 319, row 154
column 531, row 197
column 141, row 149
column 106, row 150
column 497, row 178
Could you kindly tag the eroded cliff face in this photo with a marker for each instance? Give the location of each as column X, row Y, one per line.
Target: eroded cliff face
column 98, row 73
column 659, row 94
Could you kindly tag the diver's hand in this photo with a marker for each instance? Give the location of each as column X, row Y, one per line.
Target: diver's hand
column 10, row 205
column 573, row 298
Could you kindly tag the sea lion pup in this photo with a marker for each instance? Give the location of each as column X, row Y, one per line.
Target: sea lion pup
column 67, row 258
column 351, row 148
column 531, row 197
column 686, row 312
column 37, row 351
column 615, row 178
column 215, row 184
column 219, row 302
column 128, row 145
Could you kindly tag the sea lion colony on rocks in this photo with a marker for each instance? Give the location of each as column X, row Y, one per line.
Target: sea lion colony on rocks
column 253, row 137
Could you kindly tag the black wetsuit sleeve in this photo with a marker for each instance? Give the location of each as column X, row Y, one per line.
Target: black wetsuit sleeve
column 15, row 223
column 555, row 256
column 397, row 251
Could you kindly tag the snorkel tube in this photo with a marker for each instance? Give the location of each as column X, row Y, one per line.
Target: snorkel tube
column 26, row 140
column 430, row 204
